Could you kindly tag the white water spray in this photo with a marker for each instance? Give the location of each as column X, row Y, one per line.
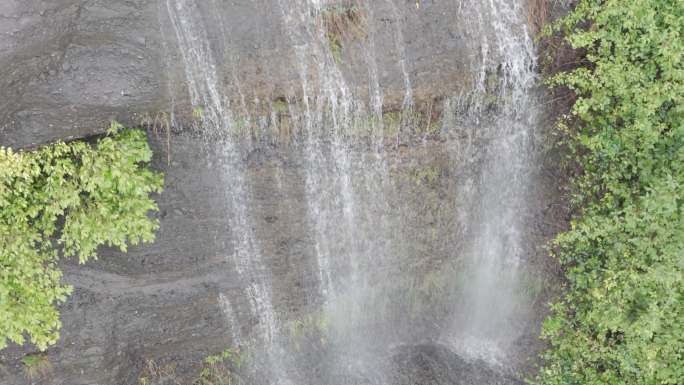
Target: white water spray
column 357, row 216
column 205, row 91
column 500, row 116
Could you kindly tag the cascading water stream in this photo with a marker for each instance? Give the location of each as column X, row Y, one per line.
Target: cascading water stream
column 501, row 109
column 217, row 121
column 376, row 292
column 340, row 184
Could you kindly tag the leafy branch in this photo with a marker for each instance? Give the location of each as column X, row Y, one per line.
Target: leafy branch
column 65, row 200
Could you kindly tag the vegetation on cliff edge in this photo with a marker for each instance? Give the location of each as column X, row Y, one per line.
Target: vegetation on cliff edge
column 621, row 319
column 65, row 200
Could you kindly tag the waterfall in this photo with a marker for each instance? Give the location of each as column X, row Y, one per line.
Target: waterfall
column 217, row 121
column 199, row 64
column 396, row 264
column 501, row 112
column 341, row 185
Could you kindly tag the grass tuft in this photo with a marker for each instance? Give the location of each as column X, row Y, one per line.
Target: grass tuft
column 342, row 21
column 36, row 365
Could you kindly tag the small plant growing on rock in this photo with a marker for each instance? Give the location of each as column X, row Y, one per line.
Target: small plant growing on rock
column 280, row 105
column 198, row 113
column 160, row 123
column 36, row 365
column 342, row 21
column 155, row 374
column 220, row 369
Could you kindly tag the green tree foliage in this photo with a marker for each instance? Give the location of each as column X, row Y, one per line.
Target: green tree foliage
column 64, row 200
column 622, row 320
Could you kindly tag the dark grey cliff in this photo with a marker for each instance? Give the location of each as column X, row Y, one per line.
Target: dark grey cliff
column 70, row 66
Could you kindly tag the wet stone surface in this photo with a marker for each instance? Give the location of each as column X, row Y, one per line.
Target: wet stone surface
column 334, row 259
column 70, row 66
column 163, row 301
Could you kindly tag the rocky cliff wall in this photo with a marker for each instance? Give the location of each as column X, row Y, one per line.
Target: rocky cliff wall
column 70, row 66
column 166, row 301
column 405, row 211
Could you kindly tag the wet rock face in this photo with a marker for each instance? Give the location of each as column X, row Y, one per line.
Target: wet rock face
column 70, row 66
column 318, row 250
column 181, row 298
column 422, row 364
column 436, row 365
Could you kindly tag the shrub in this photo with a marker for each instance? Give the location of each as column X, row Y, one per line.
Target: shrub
column 621, row 319
column 65, row 200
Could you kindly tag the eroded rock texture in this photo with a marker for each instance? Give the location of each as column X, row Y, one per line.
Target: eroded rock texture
column 70, row 66
column 338, row 259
